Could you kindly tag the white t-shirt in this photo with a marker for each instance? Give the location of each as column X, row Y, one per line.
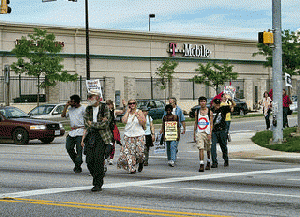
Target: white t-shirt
column 76, row 120
column 133, row 127
column 149, row 120
column 203, row 123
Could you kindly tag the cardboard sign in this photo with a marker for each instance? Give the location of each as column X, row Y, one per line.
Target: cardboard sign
column 171, row 131
column 94, row 86
column 159, row 146
column 229, row 91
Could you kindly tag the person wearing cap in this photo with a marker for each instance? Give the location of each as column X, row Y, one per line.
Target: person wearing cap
column 97, row 135
column 219, row 134
column 149, row 134
column 75, row 111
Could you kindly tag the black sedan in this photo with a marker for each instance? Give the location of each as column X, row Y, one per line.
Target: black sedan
column 240, row 108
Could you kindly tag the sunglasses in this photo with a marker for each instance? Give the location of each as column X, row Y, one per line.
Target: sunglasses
column 131, row 103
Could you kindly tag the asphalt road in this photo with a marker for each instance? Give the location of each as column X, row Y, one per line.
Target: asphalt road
column 37, row 180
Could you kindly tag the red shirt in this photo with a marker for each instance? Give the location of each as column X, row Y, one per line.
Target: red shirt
column 286, row 101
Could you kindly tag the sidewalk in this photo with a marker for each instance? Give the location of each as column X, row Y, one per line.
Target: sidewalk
column 241, row 147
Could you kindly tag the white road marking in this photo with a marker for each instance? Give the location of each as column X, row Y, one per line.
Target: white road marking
column 293, row 179
column 229, row 191
column 143, row 183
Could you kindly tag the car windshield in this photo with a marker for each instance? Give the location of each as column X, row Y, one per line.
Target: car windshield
column 12, row 112
column 141, row 104
column 42, row 110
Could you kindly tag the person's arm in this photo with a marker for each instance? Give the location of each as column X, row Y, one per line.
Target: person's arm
column 64, row 112
column 104, row 122
column 125, row 117
column 178, row 128
column 152, row 129
column 163, row 128
column 211, row 120
column 196, row 124
column 83, row 137
column 182, row 119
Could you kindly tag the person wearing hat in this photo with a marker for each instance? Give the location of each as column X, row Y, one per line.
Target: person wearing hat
column 97, row 135
column 149, row 134
column 219, row 134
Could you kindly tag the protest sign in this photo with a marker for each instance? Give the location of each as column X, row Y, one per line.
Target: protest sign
column 94, row 86
column 229, row 91
column 171, row 130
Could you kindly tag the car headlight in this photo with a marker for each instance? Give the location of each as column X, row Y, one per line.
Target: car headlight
column 38, row 127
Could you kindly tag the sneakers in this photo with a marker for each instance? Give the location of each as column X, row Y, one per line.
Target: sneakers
column 201, row 169
column 110, row 161
column 171, row 163
column 77, row 169
column 207, row 166
column 214, row 165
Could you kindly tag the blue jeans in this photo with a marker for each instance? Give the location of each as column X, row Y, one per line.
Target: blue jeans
column 221, row 138
column 172, row 150
column 74, row 149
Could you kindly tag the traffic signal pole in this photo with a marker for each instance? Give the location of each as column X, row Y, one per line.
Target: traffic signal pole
column 277, row 73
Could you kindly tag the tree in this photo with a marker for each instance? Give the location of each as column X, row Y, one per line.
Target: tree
column 37, row 56
column 290, row 52
column 214, row 77
column 165, row 72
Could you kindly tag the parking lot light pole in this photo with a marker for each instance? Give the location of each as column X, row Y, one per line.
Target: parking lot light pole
column 151, row 77
column 88, row 73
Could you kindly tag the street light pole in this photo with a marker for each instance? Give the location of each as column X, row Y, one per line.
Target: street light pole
column 151, row 16
column 88, row 74
column 277, row 72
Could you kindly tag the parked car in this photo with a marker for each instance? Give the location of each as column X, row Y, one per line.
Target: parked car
column 19, row 126
column 240, row 108
column 156, row 108
column 48, row 111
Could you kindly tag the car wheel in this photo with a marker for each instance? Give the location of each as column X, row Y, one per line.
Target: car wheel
column 47, row 140
column 20, row 136
column 242, row 112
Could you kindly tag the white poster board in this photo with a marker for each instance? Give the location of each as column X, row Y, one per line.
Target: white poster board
column 229, row 91
column 159, row 147
column 171, row 130
column 94, row 86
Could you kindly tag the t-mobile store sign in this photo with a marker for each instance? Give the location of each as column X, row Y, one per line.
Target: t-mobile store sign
column 189, row 50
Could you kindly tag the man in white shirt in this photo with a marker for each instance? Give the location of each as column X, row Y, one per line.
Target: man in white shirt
column 73, row 141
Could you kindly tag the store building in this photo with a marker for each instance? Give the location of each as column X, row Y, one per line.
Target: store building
column 125, row 61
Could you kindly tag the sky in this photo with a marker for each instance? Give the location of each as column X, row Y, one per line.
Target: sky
column 238, row 19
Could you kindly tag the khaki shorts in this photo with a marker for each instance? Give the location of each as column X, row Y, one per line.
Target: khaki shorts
column 202, row 141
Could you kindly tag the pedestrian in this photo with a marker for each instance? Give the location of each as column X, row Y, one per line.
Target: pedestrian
column 110, row 151
column 171, row 134
column 149, row 134
column 98, row 134
column 286, row 105
column 202, row 132
column 176, row 110
column 132, row 150
column 266, row 104
column 219, row 134
column 75, row 111
column 225, row 102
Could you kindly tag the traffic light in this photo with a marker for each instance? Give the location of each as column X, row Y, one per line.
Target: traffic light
column 4, row 7
column 265, row 37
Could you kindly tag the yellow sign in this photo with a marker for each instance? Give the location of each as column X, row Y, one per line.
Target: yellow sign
column 171, row 131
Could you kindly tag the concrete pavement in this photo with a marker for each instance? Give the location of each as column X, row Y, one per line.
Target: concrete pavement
column 241, row 147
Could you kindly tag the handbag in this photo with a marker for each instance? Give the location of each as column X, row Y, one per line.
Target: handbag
column 116, row 133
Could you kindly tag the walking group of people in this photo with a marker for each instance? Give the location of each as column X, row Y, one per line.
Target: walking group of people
column 94, row 133
column 266, row 104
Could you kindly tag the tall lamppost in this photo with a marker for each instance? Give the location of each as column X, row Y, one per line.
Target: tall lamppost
column 151, row 16
column 88, row 73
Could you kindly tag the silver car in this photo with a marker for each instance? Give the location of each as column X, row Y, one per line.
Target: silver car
column 48, row 111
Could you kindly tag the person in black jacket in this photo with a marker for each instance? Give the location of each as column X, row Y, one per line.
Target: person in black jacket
column 219, row 134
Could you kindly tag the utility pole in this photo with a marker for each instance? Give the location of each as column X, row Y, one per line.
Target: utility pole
column 277, row 72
